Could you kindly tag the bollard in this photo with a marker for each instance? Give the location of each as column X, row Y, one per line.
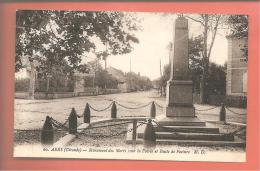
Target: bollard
column 222, row 114
column 134, row 130
column 73, row 121
column 149, row 134
column 113, row 110
column 47, row 134
column 153, row 110
column 86, row 114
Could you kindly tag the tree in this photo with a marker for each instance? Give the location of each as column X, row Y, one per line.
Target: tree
column 210, row 24
column 238, row 26
column 60, row 38
column 216, row 73
column 137, row 82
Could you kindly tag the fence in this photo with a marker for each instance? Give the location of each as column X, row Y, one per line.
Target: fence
column 47, row 132
column 230, row 100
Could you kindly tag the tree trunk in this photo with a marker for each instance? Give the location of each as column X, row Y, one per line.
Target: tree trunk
column 32, row 80
column 203, row 85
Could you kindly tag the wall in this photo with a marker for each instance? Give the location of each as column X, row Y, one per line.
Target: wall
column 236, row 68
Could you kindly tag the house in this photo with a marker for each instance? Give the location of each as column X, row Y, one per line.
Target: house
column 120, row 76
column 236, row 79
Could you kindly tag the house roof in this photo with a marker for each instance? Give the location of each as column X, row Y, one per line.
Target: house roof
column 118, row 74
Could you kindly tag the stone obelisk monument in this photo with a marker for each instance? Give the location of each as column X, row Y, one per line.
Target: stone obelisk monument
column 179, row 87
column 179, row 104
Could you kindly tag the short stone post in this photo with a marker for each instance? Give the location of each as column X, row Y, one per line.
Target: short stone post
column 86, row 114
column 149, row 134
column 113, row 110
column 47, row 134
column 134, row 130
column 153, row 110
column 222, row 114
column 73, row 121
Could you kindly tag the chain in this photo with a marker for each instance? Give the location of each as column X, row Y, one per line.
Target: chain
column 111, row 135
column 108, row 125
column 101, row 110
column 57, row 124
column 206, row 109
column 139, row 107
column 79, row 116
column 157, row 104
column 67, row 120
column 21, row 130
column 237, row 131
column 165, row 128
column 234, row 111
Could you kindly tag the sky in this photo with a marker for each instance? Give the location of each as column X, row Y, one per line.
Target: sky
column 157, row 32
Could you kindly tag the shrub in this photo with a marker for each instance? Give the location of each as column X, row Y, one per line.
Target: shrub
column 22, row 84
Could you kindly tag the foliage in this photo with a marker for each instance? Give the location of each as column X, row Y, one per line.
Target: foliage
column 210, row 24
column 104, row 80
column 60, row 38
column 238, row 25
column 22, row 85
column 216, row 74
column 137, row 82
column 217, row 79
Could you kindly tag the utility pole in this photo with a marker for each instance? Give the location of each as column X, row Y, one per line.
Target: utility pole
column 161, row 86
column 160, row 68
column 130, row 64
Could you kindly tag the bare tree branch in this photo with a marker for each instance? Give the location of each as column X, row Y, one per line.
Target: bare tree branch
column 196, row 20
column 214, row 35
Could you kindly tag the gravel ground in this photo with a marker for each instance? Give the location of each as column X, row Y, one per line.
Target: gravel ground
column 89, row 138
column 32, row 137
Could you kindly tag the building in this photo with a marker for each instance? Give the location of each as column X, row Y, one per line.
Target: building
column 236, row 80
column 120, row 77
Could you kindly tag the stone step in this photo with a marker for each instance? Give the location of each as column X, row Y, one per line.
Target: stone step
column 191, row 129
column 165, row 123
column 180, row 121
column 201, row 143
column 191, row 136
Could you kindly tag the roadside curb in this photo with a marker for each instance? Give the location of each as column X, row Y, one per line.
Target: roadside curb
column 69, row 137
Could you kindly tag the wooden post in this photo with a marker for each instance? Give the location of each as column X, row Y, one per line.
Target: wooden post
column 47, row 134
column 73, row 122
column 86, row 114
column 113, row 110
column 134, row 130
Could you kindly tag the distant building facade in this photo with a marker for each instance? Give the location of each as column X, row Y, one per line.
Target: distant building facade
column 236, row 79
column 120, row 76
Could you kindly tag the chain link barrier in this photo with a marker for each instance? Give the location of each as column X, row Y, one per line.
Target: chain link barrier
column 157, row 104
column 79, row 116
column 237, row 131
column 207, row 109
column 59, row 125
column 234, row 111
column 139, row 107
column 62, row 126
column 111, row 135
column 101, row 110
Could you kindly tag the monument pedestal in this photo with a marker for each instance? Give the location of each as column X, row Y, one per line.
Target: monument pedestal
column 179, row 99
column 179, row 106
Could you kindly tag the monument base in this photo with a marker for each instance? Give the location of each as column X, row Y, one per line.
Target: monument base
column 180, row 111
column 179, row 99
column 180, row 121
